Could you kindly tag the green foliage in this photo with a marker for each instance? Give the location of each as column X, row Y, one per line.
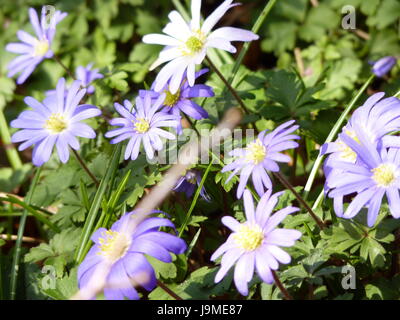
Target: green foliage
column 305, row 67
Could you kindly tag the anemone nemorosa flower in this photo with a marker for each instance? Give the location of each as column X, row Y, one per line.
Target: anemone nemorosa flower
column 55, row 122
column 33, row 50
column 125, row 252
column 254, row 244
column 182, row 99
column 142, row 125
column 189, row 183
column 383, row 66
column 261, row 156
column 375, row 174
column 87, row 76
column 187, row 44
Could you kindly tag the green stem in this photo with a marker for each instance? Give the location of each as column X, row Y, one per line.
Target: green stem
column 58, row 60
column 5, row 136
column 279, row 284
column 257, row 25
column 21, row 229
column 332, row 135
column 287, row 184
column 228, row 85
column 397, row 94
column 85, row 167
column 319, row 200
column 196, row 196
column 168, row 290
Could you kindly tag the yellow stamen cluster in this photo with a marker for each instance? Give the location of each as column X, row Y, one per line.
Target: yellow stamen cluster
column 249, row 237
column 193, row 44
column 256, row 152
column 384, row 175
column 40, row 48
column 113, row 245
column 142, row 125
column 56, row 123
column 171, row 99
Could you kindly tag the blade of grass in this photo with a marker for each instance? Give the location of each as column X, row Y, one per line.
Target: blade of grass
column 40, row 217
column 21, row 229
column 84, row 195
column 11, row 152
column 94, row 208
column 193, row 243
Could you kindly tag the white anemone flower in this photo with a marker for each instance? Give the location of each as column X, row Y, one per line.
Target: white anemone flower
column 187, row 44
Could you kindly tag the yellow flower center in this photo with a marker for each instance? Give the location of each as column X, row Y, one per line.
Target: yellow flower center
column 142, row 125
column 41, row 48
column 384, row 175
column 193, row 44
column 171, row 99
column 256, row 152
column 113, row 245
column 56, row 123
column 249, row 238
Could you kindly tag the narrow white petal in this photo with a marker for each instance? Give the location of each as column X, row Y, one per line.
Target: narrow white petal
column 213, row 19
column 196, row 11
column 166, row 55
column 220, row 43
column 233, row 34
column 191, row 74
column 161, row 39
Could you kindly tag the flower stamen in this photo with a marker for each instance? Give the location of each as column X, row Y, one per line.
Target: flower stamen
column 113, row 245
column 171, row 99
column 249, row 237
column 384, row 175
column 56, row 123
column 256, row 152
column 142, row 125
column 40, row 48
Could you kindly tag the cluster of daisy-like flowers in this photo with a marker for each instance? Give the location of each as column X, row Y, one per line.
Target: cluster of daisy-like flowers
column 254, row 244
column 57, row 122
column 364, row 161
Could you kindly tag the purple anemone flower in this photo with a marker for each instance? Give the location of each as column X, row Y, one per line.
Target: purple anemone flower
column 142, row 125
column 182, row 100
column 261, row 156
column 87, row 76
column 126, row 251
column 33, row 50
column 254, row 244
column 378, row 117
column 375, row 174
column 188, row 184
column 186, row 44
column 55, row 122
column 383, row 66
